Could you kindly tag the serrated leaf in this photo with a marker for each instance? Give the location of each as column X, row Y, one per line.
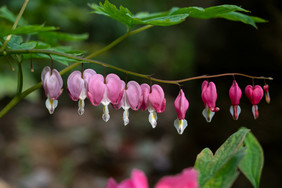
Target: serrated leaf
column 209, row 166
column 174, row 16
column 252, row 163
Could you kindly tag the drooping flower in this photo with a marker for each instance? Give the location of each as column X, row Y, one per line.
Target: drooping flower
column 104, row 90
column 181, row 106
column 52, row 83
column 77, row 86
column 254, row 94
column 131, row 98
column 209, row 96
column 188, row 178
column 154, row 101
column 138, row 180
column 266, row 91
column 235, row 94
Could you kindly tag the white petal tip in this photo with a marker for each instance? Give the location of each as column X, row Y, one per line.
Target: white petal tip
column 153, row 117
column 180, row 125
column 51, row 105
column 125, row 117
column 208, row 114
column 81, row 107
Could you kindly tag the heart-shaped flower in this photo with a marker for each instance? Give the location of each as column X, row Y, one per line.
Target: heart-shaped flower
column 235, row 94
column 254, row 94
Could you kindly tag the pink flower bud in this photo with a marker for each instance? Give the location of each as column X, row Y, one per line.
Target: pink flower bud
column 52, row 83
column 209, row 96
column 266, row 91
column 235, row 94
column 254, row 94
column 77, row 87
column 104, row 90
column 181, row 106
column 154, row 101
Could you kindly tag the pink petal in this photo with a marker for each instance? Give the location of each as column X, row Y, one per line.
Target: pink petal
column 52, row 84
column 46, row 70
column 254, row 94
column 96, row 89
column 187, row 179
column 235, row 93
column 145, row 96
column 122, row 101
column 266, row 91
column 75, row 84
column 87, row 74
column 112, row 183
column 134, row 95
column 209, row 95
column 114, row 88
column 139, row 179
column 156, row 98
column 181, row 105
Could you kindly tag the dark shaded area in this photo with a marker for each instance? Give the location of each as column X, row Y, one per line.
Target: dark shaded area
column 68, row 150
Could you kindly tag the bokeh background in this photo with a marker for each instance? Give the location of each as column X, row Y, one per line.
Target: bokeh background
column 63, row 150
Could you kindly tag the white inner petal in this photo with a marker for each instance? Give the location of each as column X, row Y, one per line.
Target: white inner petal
column 51, row 105
column 106, row 114
column 153, row 118
column 125, row 117
column 180, row 125
column 208, row 114
column 254, row 108
column 81, row 105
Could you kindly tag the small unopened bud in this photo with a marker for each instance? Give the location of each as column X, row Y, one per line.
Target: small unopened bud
column 266, row 91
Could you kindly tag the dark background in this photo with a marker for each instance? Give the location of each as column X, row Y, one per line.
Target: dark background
column 68, row 150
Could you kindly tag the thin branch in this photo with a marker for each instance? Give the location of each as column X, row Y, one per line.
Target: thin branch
column 15, row 25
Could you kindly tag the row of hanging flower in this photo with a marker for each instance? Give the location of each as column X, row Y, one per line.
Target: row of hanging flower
column 112, row 90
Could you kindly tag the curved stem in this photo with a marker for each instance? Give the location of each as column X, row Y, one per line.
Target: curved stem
column 15, row 25
column 118, row 40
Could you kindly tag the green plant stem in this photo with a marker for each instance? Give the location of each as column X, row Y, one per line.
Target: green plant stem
column 118, row 40
column 15, row 25
column 20, row 79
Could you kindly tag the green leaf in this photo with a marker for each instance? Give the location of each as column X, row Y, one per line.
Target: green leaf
column 228, row 173
column 212, row 169
column 252, row 163
column 31, row 29
column 8, row 15
column 175, row 15
column 54, row 37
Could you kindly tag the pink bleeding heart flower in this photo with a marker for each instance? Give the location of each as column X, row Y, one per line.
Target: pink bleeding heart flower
column 266, row 91
column 131, row 98
column 235, row 94
column 188, row 178
column 254, row 94
column 181, row 106
column 77, row 86
column 138, row 180
column 154, row 101
column 209, row 97
column 104, row 90
column 52, row 83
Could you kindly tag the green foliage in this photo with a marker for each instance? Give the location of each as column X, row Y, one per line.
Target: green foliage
column 173, row 16
column 252, row 163
column 219, row 171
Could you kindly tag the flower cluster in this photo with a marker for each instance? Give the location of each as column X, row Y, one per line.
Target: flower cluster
column 188, row 178
column 112, row 90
